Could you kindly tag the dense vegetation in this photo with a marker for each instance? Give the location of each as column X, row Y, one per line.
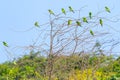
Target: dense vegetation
column 73, row 67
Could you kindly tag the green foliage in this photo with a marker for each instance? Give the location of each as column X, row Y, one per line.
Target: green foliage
column 33, row 67
column 29, row 67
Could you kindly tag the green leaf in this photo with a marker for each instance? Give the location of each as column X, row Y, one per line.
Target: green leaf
column 101, row 22
column 63, row 11
column 69, row 22
column 78, row 23
column 107, row 9
column 5, row 44
column 36, row 24
column 90, row 15
column 85, row 19
column 51, row 12
column 71, row 9
column 91, row 32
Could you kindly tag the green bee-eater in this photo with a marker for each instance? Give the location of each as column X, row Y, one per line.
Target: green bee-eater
column 51, row 12
column 90, row 15
column 69, row 22
column 91, row 32
column 5, row 44
column 85, row 20
column 107, row 9
column 78, row 23
column 36, row 24
column 63, row 11
column 101, row 22
column 70, row 8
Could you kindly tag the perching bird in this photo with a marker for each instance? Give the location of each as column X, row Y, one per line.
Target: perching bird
column 63, row 11
column 69, row 22
column 101, row 22
column 78, row 23
column 90, row 15
column 107, row 9
column 70, row 8
column 5, row 44
column 85, row 20
column 51, row 12
column 91, row 32
column 36, row 24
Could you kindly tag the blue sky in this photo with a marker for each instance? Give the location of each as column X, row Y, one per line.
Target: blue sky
column 16, row 16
